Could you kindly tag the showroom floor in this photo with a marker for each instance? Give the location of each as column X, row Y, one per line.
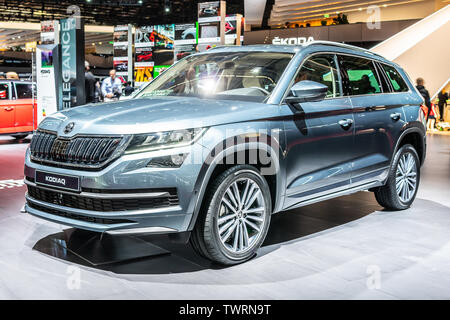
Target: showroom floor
column 345, row 248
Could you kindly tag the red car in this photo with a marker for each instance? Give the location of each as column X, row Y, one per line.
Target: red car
column 144, row 57
column 181, row 55
column 18, row 112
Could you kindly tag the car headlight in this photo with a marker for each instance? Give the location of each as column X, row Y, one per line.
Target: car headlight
column 163, row 140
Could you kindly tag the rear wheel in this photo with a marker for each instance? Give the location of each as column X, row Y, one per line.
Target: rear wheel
column 403, row 181
column 235, row 218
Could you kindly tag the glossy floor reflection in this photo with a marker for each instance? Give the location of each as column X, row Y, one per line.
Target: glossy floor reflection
column 94, row 249
column 322, row 251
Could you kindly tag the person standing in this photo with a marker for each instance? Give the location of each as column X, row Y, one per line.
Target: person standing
column 128, row 90
column 89, row 83
column 111, row 87
column 443, row 97
column 425, row 94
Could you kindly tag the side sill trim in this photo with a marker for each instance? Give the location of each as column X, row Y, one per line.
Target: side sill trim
column 335, row 194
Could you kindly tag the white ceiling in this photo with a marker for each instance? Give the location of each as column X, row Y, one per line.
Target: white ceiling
column 254, row 11
column 303, row 10
column 17, row 34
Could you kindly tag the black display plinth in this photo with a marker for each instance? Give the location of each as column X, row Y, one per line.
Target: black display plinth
column 97, row 249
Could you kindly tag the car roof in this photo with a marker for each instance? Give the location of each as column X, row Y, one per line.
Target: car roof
column 319, row 45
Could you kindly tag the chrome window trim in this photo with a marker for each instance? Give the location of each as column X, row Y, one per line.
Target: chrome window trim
column 336, row 53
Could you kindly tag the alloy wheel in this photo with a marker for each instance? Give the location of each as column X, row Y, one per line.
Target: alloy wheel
column 241, row 215
column 406, row 177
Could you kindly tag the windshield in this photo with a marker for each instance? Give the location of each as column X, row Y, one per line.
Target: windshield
column 233, row 75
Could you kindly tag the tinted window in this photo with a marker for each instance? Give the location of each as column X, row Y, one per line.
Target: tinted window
column 24, row 90
column 362, row 75
column 4, row 91
column 322, row 69
column 398, row 84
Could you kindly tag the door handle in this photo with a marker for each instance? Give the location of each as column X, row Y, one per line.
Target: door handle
column 9, row 108
column 396, row 116
column 345, row 123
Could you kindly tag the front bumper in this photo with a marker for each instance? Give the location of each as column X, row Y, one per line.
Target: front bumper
column 125, row 197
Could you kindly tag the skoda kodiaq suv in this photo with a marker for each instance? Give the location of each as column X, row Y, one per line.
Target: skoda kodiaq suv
column 223, row 139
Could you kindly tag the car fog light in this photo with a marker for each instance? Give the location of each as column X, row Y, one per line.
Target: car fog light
column 172, row 161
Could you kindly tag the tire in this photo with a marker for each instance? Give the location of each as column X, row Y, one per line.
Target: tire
column 392, row 194
column 209, row 237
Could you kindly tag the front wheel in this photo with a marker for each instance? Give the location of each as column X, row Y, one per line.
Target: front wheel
column 235, row 218
column 403, row 181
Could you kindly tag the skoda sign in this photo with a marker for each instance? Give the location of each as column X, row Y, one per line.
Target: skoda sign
column 292, row 41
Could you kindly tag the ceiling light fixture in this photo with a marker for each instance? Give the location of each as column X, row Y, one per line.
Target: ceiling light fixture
column 167, row 6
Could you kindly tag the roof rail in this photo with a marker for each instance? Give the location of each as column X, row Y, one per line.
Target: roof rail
column 342, row 45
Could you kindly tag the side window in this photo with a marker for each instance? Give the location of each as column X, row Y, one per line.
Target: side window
column 4, row 91
column 362, row 75
column 322, row 69
column 398, row 84
column 24, row 90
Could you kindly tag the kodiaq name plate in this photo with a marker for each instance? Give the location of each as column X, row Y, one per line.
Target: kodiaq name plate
column 57, row 180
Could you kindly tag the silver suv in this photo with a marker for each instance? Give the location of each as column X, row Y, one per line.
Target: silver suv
column 220, row 141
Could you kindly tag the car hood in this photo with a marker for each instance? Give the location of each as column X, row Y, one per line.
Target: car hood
column 154, row 114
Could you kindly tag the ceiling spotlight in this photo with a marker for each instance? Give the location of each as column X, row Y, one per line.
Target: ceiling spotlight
column 18, row 37
column 360, row 9
column 385, row 5
column 337, row 12
column 100, row 42
column 140, row 1
column 167, row 6
column 93, row 43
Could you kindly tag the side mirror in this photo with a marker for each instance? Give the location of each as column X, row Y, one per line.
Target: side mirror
column 307, row 91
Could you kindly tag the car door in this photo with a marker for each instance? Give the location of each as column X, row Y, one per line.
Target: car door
column 319, row 136
column 378, row 118
column 24, row 106
column 6, row 108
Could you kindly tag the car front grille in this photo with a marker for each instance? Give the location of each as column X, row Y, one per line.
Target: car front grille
column 78, row 201
column 82, row 152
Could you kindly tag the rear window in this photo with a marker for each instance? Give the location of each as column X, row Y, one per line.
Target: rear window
column 397, row 82
column 362, row 75
column 24, row 90
column 4, row 91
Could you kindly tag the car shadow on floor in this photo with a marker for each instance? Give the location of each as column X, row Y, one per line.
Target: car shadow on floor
column 155, row 254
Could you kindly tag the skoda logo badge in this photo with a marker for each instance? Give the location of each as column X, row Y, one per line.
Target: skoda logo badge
column 69, row 127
